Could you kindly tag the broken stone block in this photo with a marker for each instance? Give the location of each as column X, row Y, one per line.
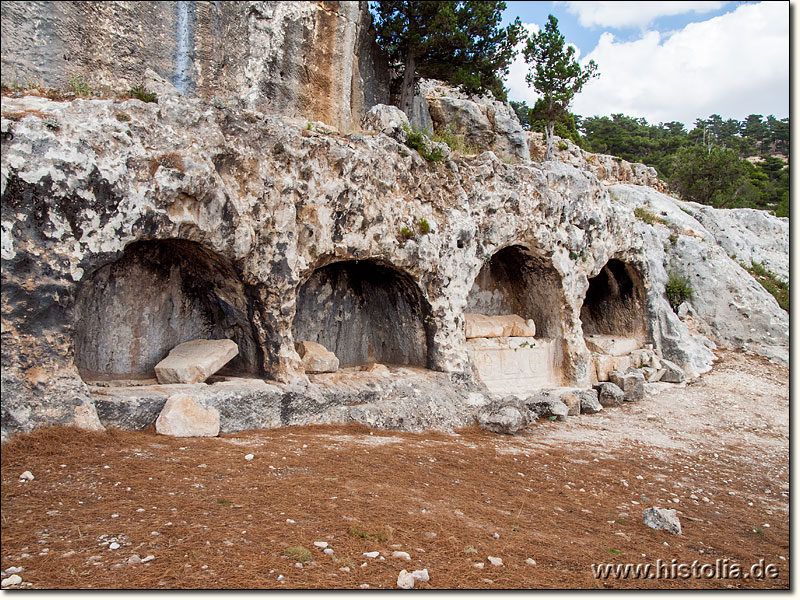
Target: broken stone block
column 673, row 374
column 573, row 403
column 603, row 364
column 506, row 416
column 183, row 416
column 609, row 394
column 656, row 376
column 632, row 383
column 317, row 358
column 611, row 345
column 195, row 361
column 545, row 406
column 483, row 326
column 662, row 518
column 590, row 403
column 622, row 363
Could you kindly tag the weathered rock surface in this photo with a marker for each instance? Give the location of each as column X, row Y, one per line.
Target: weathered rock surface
column 590, row 402
column 388, row 120
column 630, row 382
column 309, row 60
column 506, row 416
column 484, row 123
column 183, row 416
column 672, row 372
column 265, row 205
column 316, row 358
column 484, row 326
column 195, row 361
column 662, row 519
column 609, row 394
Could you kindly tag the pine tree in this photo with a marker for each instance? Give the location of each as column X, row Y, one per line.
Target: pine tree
column 555, row 74
column 461, row 43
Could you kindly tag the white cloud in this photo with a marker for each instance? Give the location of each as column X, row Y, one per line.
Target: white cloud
column 734, row 65
column 633, row 14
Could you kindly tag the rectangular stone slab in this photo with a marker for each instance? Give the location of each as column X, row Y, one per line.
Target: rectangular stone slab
column 483, row 326
column 195, row 361
column 612, row 345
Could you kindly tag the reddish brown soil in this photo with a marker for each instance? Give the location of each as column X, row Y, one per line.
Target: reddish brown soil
column 554, row 494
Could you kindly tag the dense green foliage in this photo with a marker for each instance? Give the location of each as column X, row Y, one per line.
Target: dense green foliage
column 706, row 164
column 461, row 43
column 678, row 289
column 535, row 119
column 556, row 74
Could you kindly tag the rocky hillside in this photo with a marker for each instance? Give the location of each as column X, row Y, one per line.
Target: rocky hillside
column 130, row 227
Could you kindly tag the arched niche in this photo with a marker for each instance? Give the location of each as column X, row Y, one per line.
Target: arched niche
column 615, row 303
column 516, row 281
column 130, row 313
column 364, row 312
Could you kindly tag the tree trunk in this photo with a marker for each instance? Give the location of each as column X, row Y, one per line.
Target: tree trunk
column 407, row 89
column 549, row 132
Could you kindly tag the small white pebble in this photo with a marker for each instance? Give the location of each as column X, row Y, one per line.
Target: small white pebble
column 299, row 565
column 113, row 546
column 495, row 561
column 371, row 554
column 280, row 577
column 16, row 569
column 148, row 558
column 344, row 569
column 421, row 575
column 530, row 562
column 249, row 457
column 478, row 565
column 26, row 476
column 328, row 551
column 404, row 555
column 364, row 586
column 154, row 533
column 321, row 544
column 202, row 466
column 496, row 535
column 290, row 521
column 114, row 516
column 766, row 524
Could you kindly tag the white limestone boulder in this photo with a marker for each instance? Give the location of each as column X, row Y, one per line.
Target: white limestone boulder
column 183, row 416
column 316, row 358
column 195, row 361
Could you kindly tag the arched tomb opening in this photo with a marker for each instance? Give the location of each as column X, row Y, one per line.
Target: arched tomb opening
column 513, row 322
column 130, row 313
column 364, row 313
column 613, row 317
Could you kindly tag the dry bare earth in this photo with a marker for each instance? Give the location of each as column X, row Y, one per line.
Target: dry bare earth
column 563, row 494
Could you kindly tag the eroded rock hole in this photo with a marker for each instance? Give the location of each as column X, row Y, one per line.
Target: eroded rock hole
column 516, row 282
column 507, row 358
column 615, row 302
column 364, row 312
column 129, row 314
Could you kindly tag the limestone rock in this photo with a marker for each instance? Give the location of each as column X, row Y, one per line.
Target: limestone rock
column 612, row 345
column 405, row 580
column 590, row 403
column 195, row 361
column 421, row 575
column 545, row 406
column 388, row 120
column 572, row 402
column 483, row 326
column 506, row 416
column 662, row 518
column 673, row 373
column 656, row 375
column 609, row 394
column 485, row 123
column 632, row 383
column 183, row 416
column 316, row 358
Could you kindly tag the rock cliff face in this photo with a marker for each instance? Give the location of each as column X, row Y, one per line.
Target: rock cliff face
column 131, row 227
column 313, row 60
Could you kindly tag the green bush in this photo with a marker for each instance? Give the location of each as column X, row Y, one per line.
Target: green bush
column 562, row 145
column 678, row 289
column 771, row 282
column 142, row 94
column 423, row 226
column 418, row 140
column 406, row 233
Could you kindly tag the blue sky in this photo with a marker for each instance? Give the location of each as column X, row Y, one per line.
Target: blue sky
column 671, row 60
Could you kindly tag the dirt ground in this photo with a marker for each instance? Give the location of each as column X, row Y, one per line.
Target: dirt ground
column 565, row 495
